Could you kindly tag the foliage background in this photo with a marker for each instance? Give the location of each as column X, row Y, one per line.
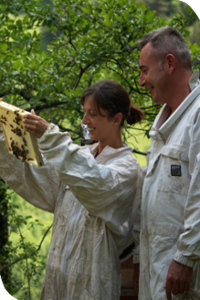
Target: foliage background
column 50, row 52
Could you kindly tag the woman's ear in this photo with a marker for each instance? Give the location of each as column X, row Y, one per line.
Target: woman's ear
column 118, row 119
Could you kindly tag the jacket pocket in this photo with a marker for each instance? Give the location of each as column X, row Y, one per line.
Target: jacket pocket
column 174, row 176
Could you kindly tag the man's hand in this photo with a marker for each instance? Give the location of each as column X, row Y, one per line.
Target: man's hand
column 178, row 280
column 136, row 278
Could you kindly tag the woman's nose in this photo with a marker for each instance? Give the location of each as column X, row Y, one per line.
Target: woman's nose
column 85, row 119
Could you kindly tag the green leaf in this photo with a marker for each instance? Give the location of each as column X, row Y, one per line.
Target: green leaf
column 141, row 5
column 26, row 20
column 194, row 47
column 86, row 10
column 107, row 20
column 149, row 16
column 19, row 24
column 3, row 47
column 34, row 99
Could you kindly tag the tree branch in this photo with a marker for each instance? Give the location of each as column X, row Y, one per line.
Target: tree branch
column 25, row 257
column 82, row 71
column 138, row 152
column 4, row 93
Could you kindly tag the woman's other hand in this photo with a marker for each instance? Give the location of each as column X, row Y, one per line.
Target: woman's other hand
column 35, row 124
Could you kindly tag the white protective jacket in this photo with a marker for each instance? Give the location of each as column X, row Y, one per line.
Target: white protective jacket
column 94, row 202
column 170, row 212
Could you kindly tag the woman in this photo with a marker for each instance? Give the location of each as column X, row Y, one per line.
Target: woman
column 93, row 191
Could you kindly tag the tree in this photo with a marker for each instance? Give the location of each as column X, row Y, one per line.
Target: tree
column 91, row 40
column 168, row 9
column 163, row 8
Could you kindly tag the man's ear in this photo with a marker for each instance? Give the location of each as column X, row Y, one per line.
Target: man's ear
column 118, row 119
column 170, row 62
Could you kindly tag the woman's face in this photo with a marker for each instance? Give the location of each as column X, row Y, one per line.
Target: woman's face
column 99, row 126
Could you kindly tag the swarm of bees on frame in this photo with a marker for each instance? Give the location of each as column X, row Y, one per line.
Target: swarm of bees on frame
column 18, row 147
column 17, row 151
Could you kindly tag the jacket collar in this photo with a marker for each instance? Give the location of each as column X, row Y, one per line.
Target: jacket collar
column 108, row 152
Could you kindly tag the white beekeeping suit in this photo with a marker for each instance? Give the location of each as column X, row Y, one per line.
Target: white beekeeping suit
column 94, row 202
column 170, row 227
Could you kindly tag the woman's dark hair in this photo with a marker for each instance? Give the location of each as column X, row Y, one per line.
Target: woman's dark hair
column 110, row 96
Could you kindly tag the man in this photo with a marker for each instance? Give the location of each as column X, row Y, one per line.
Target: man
column 170, row 212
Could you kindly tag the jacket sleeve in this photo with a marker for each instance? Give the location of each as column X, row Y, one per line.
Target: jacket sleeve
column 189, row 242
column 109, row 192
column 39, row 186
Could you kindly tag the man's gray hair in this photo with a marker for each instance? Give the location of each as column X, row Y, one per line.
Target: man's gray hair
column 167, row 40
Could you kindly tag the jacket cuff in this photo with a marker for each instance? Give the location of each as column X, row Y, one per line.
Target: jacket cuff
column 184, row 260
column 52, row 128
column 47, row 139
column 136, row 259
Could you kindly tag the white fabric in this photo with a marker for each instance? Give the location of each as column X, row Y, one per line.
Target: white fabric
column 94, row 204
column 170, row 212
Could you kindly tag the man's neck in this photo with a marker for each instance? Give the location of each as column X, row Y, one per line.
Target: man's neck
column 180, row 90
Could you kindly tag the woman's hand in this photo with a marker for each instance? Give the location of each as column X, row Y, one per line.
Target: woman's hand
column 35, row 124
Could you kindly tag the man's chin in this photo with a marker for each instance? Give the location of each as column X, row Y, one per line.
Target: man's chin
column 156, row 101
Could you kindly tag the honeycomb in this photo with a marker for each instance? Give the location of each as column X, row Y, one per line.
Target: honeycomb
column 20, row 143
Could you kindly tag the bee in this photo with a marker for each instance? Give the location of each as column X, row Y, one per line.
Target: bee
column 16, row 112
column 24, row 140
column 17, row 151
column 2, row 122
column 18, row 131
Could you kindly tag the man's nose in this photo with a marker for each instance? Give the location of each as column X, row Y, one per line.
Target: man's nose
column 142, row 80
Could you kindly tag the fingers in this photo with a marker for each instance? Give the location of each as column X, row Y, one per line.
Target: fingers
column 33, row 112
column 175, row 289
column 168, row 288
column 181, row 288
column 178, row 279
column 35, row 124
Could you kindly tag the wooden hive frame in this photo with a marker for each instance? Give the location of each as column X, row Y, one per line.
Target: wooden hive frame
column 20, row 143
